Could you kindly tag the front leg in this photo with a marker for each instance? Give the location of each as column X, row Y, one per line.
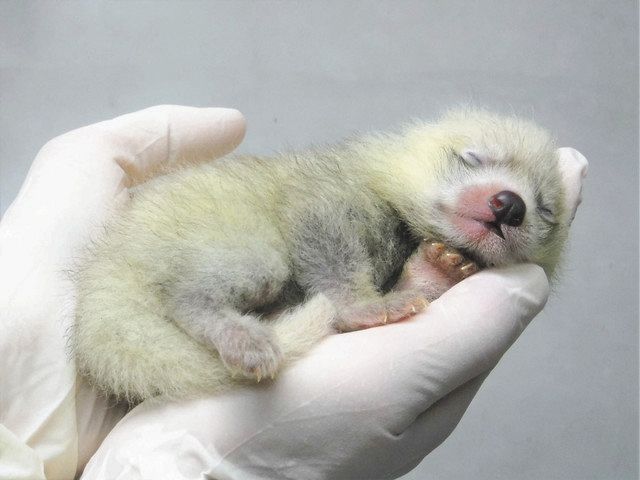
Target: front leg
column 331, row 259
column 380, row 310
column 434, row 268
column 430, row 271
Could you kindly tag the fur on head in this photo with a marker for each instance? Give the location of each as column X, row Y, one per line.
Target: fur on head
column 460, row 163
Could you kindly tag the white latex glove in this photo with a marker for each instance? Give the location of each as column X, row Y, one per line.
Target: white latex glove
column 363, row 405
column 49, row 423
column 368, row 404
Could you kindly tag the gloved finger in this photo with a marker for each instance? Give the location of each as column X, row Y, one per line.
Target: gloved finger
column 76, row 177
column 573, row 170
column 102, row 158
column 17, row 460
column 460, row 336
column 430, row 428
column 152, row 140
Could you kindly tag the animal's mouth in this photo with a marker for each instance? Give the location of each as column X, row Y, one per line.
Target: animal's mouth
column 495, row 228
column 479, row 235
column 475, row 228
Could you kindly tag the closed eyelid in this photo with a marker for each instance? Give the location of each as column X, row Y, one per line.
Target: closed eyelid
column 472, row 157
column 542, row 203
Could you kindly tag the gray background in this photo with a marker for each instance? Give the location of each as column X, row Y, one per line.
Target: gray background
column 563, row 403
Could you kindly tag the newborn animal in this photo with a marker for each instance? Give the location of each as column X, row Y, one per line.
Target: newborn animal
column 224, row 271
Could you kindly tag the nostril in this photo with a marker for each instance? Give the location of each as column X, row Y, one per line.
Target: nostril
column 508, row 208
column 496, row 203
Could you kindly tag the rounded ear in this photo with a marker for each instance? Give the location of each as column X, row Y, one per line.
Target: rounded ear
column 573, row 168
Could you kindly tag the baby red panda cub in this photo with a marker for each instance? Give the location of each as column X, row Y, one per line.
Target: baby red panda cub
column 223, row 271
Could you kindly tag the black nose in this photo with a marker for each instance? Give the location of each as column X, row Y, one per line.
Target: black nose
column 508, row 208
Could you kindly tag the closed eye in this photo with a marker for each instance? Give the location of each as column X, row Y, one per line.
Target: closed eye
column 544, row 211
column 469, row 158
column 546, row 214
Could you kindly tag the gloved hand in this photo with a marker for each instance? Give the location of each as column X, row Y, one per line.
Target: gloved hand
column 364, row 405
column 50, row 422
column 367, row 404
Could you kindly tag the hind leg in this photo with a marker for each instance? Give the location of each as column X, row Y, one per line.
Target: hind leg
column 210, row 298
column 246, row 346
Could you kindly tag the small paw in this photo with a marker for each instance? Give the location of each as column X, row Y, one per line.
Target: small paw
column 449, row 261
column 361, row 314
column 392, row 307
column 403, row 304
column 249, row 352
column 433, row 269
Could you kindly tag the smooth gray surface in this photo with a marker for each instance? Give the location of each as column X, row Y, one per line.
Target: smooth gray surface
column 563, row 403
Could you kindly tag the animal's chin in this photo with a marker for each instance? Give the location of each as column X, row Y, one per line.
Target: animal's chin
column 480, row 240
column 483, row 255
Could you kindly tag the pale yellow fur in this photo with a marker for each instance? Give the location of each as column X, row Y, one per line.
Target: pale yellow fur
column 124, row 339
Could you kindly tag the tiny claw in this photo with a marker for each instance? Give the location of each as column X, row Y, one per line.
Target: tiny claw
column 468, row 269
column 453, row 258
column 386, row 317
column 258, row 376
column 434, row 250
column 438, row 246
column 413, row 309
